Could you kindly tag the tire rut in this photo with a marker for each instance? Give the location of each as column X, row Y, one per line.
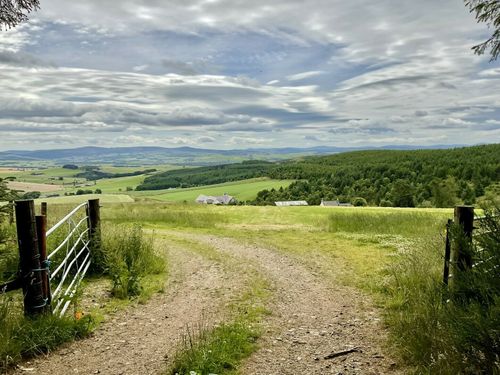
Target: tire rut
column 310, row 320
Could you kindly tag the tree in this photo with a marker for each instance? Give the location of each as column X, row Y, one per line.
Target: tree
column 6, row 195
column 13, row 12
column 487, row 11
column 403, row 193
column 444, row 192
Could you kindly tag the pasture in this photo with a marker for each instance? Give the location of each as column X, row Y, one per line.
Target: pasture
column 241, row 190
column 318, row 276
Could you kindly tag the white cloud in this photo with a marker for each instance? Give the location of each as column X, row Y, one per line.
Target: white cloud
column 304, row 75
column 384, row 72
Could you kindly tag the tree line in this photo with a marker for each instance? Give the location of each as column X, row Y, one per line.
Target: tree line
column 425, row 178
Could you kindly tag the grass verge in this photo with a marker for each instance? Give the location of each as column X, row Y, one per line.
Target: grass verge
column 24, row 338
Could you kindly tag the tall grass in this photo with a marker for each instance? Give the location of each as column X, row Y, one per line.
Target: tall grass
column 407, row 223
column 127, row 256
column 161, row 213
column 23, row 337
column 446, row 331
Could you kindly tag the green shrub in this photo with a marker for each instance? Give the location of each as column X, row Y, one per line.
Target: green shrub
column 127, row 256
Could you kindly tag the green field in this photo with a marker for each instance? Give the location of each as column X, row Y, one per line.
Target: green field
column 70, row 184
column 241, row 190
column 77, row 199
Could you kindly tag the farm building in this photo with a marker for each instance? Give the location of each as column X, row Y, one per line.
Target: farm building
column 334, row 204
column 291, row 203
column 222, row 199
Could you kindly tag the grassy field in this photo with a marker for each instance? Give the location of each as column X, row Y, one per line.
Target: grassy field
column 394, row 255
column 241, row 190
column 61, row 180
column 77, row 199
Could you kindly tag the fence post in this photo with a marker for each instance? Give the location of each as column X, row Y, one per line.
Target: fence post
column 41, row 230
column 29, row 258
column 43, row 209
column 447, row 253
column 464, row 218
column 94, row 223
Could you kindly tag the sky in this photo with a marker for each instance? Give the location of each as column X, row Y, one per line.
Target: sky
column 234, row 74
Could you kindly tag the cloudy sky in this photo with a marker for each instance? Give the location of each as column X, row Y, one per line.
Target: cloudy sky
column 239, row 74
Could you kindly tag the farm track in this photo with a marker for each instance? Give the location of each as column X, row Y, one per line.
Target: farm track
column 141, row 340
column 310, row 320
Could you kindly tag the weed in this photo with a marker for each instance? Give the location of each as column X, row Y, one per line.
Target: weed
column 128, row 256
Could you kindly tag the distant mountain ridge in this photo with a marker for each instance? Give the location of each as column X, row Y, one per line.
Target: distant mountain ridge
column 182, row 155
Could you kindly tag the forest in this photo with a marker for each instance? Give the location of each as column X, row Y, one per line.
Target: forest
column 390, row 178
column 191, row 177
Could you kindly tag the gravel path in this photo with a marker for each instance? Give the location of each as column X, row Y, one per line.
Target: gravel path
column 140, row 340
column 310, row 320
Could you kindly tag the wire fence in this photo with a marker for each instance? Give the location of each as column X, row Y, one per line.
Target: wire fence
column 480, row 260
column 69, row 259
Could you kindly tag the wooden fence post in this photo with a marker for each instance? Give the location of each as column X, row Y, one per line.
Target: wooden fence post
column 43, row 209
column 29, row 258
column 41, row 230
column 447, row 253
column 461, row 256
column 94, row 222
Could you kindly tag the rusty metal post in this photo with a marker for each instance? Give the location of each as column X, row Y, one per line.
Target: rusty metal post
column 41, row 230
column 29, row 258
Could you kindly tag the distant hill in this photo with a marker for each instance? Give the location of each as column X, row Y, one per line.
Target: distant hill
column 188, row 156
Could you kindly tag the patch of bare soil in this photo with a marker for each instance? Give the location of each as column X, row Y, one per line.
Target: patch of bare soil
column 314, row 328
column 141, row 340
column 31, row 186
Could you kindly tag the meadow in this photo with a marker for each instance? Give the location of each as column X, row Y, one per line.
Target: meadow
column 243, row 190
column 394, row 256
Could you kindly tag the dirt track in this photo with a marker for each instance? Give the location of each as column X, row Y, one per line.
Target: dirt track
column 310, row 320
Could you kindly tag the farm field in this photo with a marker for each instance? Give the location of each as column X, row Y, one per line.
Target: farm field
column 242, row 190
column 310, row 281
column 57, row 179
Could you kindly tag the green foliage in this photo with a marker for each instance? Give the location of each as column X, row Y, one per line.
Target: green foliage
column 217, row 351
column 9, row 257
column 93, row 173
column 127, row 257
column 31, row 195
column 406, row 178
column 359, row 202
column 488, row 12
column 206, row 175
column 13, row 12
column 444, row 192
column 6, row 195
